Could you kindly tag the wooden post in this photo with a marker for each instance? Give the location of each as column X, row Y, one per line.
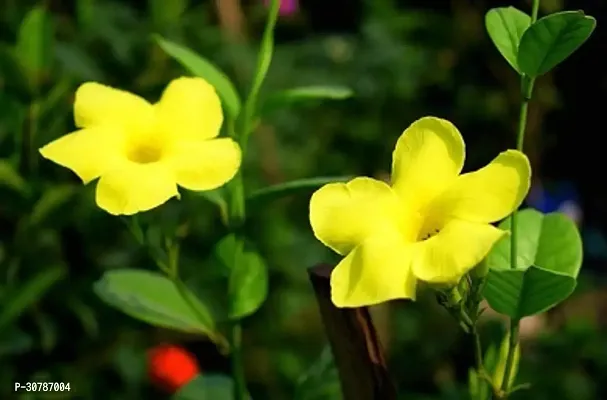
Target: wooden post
column 354, row 342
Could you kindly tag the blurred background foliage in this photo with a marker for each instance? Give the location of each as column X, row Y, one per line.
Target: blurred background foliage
column 403, row 59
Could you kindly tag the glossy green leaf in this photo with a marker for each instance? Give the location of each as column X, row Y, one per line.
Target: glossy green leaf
column 505, row 26
column 248, row 276
column 155, row 299
column 280, row 190
column 205, row 69
column 552, row 39
column 207, row 387
column 549, row 257
column 35, row 43
column 10, row 178
column 303, row 95
column 24, row 296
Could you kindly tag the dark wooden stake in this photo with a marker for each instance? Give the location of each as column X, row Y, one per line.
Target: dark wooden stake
column 356, row 348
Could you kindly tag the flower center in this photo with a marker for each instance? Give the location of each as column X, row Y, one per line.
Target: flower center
column 424, row 235
column 429, row 228
column 145, row 153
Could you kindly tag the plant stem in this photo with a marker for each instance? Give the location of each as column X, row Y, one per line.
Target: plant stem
column 238, row 375
column 478, row 350
column 237, row 199
column 526, row 93
column 512, row 344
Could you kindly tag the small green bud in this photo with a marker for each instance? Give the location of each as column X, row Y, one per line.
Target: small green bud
column 480, row 271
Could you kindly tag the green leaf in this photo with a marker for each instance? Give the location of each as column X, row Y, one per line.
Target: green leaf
column 155, row 299
column 303, row 95
column 29, row 293
column 264, row 59
column 549, row 257
column 248, row 279
column 204, row 69
column 35, row 43
column 320, row 381
column 500, row 366
column 551, row 39
column 506, row 26
column 10, row 178
column 207, row 387
column 293, row 187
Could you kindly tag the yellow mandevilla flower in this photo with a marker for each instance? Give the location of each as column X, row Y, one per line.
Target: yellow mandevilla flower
column 140, row 151
column 432, row 224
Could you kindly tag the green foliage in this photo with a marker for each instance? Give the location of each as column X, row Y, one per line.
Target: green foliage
column 155, row 299
column 303, row 95
column 34, row 47
column 248, row 276
column 10, row 178
column 506, row 26
column 198, row 66
column 16, row 301
column 535, row 49
column 552, row 39
column 269, row 193
column 549, row 260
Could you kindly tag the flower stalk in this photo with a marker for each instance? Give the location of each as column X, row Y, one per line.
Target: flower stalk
column 237, row 211
column 526, row 94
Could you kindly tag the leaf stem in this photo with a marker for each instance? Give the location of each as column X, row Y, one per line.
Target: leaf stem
column 526, row 94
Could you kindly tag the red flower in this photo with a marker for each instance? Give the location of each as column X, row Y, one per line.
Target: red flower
column 171, row 367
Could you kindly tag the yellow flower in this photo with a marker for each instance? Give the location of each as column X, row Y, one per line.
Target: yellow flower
column 140, row 151
column 432, row 224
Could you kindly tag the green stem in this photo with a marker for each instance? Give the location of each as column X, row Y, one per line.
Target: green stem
column 237, row 195
column 526, row 93
column 240, row 385
column 478, row 350
column 512, row 344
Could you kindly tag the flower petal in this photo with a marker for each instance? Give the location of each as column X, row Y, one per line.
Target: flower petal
column 343, row 215
column 134, row 188
column 429, row 155
column 190, row 108
column 489, row 194
column 455, row 250
column 87, row 152
column 204, row 164
column 97, row 104
column 376, row 271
